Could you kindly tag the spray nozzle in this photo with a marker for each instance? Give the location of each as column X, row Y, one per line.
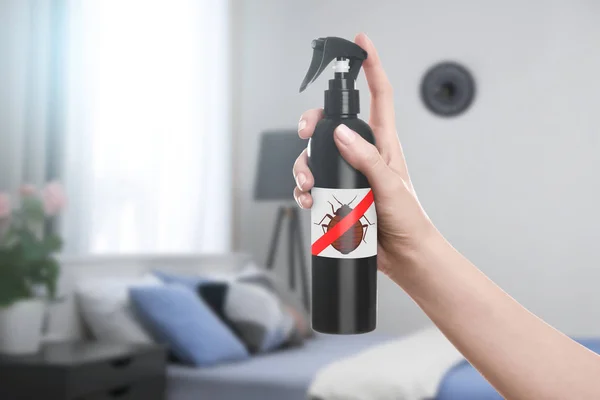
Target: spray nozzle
column 348, row 55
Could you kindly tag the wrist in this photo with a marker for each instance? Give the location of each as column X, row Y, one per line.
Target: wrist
column 414, row 259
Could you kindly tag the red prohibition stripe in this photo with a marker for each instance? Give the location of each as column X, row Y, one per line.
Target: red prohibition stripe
column 342, row 227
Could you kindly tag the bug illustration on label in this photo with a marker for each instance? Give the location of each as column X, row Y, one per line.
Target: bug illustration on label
column 352, row 238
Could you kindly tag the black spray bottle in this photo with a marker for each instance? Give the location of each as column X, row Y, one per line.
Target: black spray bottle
column 343, row 217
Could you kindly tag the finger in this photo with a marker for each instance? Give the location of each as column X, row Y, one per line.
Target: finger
column 302, row 175
column 382, row 97
column 363, row 156
column 308, row 121
column 304, row 200
column 382, row 115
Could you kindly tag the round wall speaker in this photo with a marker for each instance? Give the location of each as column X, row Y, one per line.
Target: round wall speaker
column 447, row 89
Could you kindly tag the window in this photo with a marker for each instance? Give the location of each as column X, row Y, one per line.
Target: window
column 148, row 113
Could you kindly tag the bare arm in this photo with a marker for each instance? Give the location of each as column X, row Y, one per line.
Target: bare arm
column 519, row 354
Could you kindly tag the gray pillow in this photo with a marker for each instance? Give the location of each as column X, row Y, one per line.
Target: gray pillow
column 253, row 274
column 252, row 311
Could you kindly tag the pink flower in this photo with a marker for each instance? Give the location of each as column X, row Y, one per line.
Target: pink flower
column 27, row 190
column 4, row 206
column 53, row 198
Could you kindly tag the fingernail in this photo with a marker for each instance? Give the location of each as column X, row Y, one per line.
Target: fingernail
column 300, row 199
column 344, row 134
column 301, row 124
column 300, row 180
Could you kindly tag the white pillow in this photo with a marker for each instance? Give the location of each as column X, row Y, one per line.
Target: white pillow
column 106, row 309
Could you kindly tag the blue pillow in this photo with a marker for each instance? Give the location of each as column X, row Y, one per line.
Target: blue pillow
column 189, row 281
column 176, row 315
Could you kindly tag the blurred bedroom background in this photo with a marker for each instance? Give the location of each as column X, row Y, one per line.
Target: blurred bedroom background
column 152, row 115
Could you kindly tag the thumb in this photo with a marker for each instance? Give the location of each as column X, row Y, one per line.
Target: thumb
column 361, row 155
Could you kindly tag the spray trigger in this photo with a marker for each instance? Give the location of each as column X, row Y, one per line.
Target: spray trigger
column 348, row 55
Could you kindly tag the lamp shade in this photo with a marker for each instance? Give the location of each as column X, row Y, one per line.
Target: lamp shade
column 278, row 152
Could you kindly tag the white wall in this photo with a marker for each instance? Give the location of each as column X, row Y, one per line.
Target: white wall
column 514, row 184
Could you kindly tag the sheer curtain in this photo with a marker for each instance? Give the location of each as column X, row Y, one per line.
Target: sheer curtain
column 32, row 37
column 147, row 164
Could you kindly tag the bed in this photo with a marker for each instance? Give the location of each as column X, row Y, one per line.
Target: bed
column 284, row 374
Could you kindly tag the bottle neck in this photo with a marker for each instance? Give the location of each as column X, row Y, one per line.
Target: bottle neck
column 341, row 99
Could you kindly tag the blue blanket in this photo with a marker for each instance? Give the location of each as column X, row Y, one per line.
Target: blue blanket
column 463, row 382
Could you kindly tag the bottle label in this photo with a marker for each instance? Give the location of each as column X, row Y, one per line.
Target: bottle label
column 344, row 223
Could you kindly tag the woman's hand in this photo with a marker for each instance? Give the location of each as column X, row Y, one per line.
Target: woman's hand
column 402, row 223
column 519, row 354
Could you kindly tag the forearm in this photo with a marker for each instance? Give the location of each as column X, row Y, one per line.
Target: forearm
column 519, row 354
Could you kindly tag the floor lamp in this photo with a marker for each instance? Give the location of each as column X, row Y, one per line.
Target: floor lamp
column 275, row 183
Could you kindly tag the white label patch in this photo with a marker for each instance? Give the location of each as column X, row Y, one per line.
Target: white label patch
column 344, row 223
